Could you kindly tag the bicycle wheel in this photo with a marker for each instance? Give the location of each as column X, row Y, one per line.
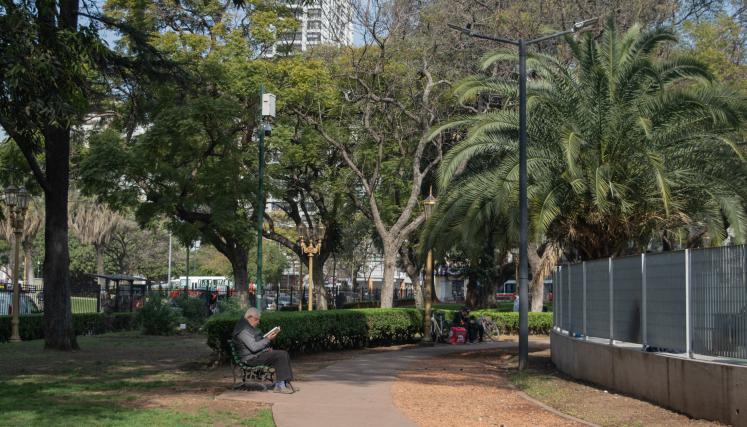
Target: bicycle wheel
column 491, row 330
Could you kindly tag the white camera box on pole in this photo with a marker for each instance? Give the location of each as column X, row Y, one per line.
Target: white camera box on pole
column 268, row 105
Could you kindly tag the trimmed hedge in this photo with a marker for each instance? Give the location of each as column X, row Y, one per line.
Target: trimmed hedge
column 325, row 330
column 377, row 304
column 32, row 326
column 508, row 322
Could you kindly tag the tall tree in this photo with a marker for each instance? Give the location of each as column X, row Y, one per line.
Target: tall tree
column 624, row 148
column 46, row 56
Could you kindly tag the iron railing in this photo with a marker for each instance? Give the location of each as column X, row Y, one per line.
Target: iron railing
column 691, row 302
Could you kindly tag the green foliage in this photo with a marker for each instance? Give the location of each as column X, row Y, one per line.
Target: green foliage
column 624, row 148
column 193, row 310
column 158, row 317
column 719, row 44
column 377, row 303
column 32, row 326
column 325, row 330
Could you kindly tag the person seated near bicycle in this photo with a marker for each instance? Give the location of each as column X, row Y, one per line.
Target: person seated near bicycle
column 474, row 329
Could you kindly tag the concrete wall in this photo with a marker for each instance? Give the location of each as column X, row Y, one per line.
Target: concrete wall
column 706, row 390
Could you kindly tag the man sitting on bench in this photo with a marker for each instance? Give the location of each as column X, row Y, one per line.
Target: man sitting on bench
column 254, row 350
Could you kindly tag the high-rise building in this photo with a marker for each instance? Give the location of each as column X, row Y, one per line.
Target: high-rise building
column 327, row 22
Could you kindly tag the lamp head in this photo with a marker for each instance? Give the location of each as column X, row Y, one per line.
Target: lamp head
column 428, row 204
column 320, row 229
column 11, row 196
column 578, row 26
column 301, row 229
column 23, row 198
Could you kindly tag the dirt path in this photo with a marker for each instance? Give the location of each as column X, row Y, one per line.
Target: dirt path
column 467, row 390
column 482, row 389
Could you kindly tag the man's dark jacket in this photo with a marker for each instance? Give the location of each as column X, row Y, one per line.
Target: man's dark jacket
column 249, row 341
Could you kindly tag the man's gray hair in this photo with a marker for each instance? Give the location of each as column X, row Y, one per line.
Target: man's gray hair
column 251, row 312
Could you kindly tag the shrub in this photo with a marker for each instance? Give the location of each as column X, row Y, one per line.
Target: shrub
column 377, row 304
column 158, row 317
column 32, row 326
column 194, row 311
column 325, row 330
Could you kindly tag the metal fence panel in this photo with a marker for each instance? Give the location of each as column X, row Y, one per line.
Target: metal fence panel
column 576, row 298
column 665, row 301
column 556, row 287
column 719, row 301
column 627, row 291
column 597, row 299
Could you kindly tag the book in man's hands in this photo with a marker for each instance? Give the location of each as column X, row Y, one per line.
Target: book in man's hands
column 272, row 331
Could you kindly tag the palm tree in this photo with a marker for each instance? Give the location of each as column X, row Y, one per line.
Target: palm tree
column 94, row 224
column 624, row 147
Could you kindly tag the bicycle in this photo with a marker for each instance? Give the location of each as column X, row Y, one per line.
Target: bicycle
column 490, row 329
column 439, row 328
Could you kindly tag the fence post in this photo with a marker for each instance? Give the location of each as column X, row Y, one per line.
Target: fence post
column 612, row 303
column 555, row 287
column 570, row 303
column 560, row 300
column 583, row 268
column 644, row 321
column 688, row 304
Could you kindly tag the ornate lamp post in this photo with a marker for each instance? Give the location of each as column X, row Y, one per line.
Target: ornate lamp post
column 17, row 200
column 428, row 204
column 311, row 249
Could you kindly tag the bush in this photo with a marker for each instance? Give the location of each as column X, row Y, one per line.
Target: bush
column 158, row 317
column 325, row 330
column 508, row 322
column 32, row 326
column 194, row 311
column 377, row 304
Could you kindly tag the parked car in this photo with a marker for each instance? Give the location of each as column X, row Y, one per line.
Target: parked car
column 28, row 305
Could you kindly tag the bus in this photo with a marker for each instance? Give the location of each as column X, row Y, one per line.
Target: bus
column 508, row 289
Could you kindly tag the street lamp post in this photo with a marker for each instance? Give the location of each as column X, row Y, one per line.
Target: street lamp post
column 428, row 204
column 310, row 250
column 266, row 114
column 17, row 200
column 523, row 208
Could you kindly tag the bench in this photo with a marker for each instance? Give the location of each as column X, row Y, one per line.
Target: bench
column 257, row 377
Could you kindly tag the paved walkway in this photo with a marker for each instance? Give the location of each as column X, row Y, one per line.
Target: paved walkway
column 351, row 392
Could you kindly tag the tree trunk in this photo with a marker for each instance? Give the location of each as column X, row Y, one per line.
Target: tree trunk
column 387, row 284
column 417, row 290
column 100, row 263
column 537, row 286
column 471, row 299
column 413, row 272
column 58, row 318
column 320, row 291
column 28, row 262
column 239, row 259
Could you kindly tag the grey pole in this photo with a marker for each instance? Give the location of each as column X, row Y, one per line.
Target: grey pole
column 169, row 275
column 523, row 222
column 260, row 202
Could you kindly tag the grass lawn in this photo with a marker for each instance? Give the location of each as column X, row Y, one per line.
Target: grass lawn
column 120, row 379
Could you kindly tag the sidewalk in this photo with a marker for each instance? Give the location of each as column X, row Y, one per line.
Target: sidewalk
column 351, row 392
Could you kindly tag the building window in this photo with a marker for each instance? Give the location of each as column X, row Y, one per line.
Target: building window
column 313, row 37
column 314, row 13
column 314, row 25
